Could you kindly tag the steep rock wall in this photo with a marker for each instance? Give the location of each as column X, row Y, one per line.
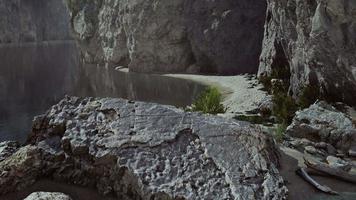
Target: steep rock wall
column 33, row 21
column 226, row 35
column 171, row 36
column 316, row 40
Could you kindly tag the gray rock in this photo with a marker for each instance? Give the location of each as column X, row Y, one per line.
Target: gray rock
column 316, row 40
column 170, row 36
column 323, row 123
column 33, row 21
column 265, row 107
column 338, row 163
column 20, row 169
column 149, row 151
column 7, row 148
column 47, row 196
column 312, row 150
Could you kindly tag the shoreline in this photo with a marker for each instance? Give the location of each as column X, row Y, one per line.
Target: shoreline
column 241, row 93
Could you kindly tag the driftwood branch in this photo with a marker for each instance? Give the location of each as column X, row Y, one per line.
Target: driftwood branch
column 314, row 172
column 337, row 173
column 302, row 172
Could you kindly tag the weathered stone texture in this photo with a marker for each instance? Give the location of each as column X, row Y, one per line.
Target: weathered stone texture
column 323, row 123
column 316, row 40
column 148, row 151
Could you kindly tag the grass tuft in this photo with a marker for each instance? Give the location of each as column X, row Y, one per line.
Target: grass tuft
column 209, row 102
column 279, row 132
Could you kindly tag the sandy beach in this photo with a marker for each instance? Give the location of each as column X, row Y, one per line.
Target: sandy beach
column 240, row 92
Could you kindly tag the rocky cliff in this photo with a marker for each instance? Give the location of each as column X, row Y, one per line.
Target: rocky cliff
column 171, row 36
column 316, row 42
column 33, row 20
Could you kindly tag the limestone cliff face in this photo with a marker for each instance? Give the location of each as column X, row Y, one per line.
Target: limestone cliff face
column 316, row 40
column 171, row 36
column 33, row 21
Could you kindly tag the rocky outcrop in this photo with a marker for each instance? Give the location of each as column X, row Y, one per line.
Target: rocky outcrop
column 171, row 36
column 142, row 150
column 33, row 21
column 20, row 169
column 323, row 123
column 47, row 196
column 315, row 41
column 7, row 148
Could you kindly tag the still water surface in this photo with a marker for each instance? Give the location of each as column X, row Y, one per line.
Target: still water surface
column 35, row 76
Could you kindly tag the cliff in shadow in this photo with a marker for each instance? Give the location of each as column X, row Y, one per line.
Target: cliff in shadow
column 33, row 21
column 199, row 36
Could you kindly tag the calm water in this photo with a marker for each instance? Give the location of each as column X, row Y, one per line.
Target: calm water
column 35, row 76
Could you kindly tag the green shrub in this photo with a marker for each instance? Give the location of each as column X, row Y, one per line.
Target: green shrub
column 209, row 102
column 284, row 107
column 309, row 95
column 280, row 131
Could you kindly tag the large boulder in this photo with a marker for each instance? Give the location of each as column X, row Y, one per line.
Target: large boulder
column 316, row 42
column 170, row 36
column 142, row 150
column 323, row 123
column 33, row 21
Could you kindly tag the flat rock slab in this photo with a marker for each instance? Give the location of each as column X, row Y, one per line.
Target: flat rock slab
column 140, row 150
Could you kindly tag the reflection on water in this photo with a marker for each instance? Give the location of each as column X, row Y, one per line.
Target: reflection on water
column 107, row 82
column 35, row 76
column 32, row 77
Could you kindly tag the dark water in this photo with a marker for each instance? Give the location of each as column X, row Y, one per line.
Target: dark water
column 35, row 76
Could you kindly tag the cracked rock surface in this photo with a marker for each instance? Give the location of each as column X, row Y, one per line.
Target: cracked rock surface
column 139, row 150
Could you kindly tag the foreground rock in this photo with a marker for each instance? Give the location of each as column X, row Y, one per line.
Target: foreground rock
column 142, row 150
column 20, row 169
column 171, row 36
column 7, row 148
column 47, row 196
column 323, row 123
column 316, row 41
